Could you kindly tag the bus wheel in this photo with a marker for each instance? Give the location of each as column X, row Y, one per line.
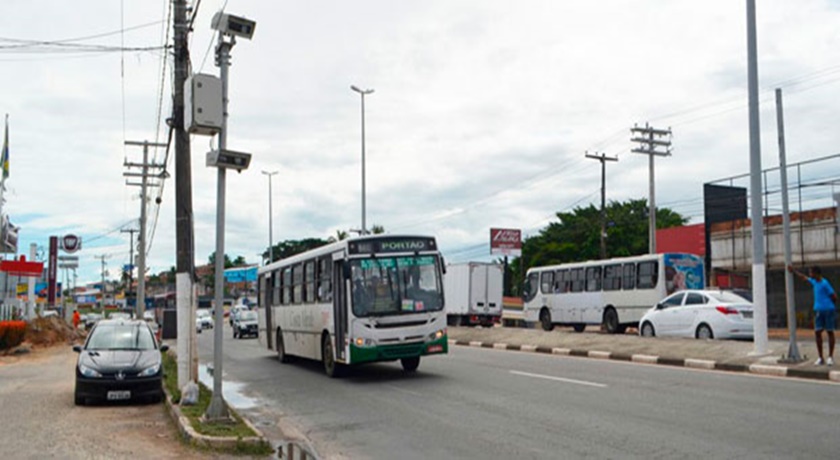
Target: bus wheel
column 410, row 364
column 579, row 327
column 281, row 348
column 331, row 368
column 611, row 320
column 545, row 320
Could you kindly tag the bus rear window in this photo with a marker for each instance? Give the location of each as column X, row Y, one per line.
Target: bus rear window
column 648, row 275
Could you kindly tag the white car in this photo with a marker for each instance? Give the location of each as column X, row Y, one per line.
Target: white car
column 702, row 314
column 203, row 319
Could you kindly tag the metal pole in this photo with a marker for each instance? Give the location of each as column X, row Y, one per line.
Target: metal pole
column 364, row 215
column 270, row 224
column 758, row 268
column 218, row 410
column 652, row 199
column 793, row 349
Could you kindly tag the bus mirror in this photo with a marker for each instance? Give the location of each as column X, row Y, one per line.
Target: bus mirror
column 442, row 265
column 345, row 268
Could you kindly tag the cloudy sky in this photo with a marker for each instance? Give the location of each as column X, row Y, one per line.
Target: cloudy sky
column 482, row 113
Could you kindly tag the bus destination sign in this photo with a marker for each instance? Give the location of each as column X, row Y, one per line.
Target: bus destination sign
column 392, row 245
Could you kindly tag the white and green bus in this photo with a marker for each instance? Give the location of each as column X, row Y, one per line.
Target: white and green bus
column 367, row 299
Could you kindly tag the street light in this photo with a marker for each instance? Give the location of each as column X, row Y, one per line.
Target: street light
column 270, row 226
column 363, row 93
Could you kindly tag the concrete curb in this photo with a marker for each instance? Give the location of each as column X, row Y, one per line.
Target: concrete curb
column 760, row 369
column 215, row 442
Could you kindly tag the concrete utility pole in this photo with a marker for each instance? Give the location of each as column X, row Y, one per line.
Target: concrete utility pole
column 144, row 175
column 130, row 231
column 102, row 259
column 759, row 281
column 648, row 145
column 793, row 349
column 603, row 158
column 363, row 93
column 270, row 225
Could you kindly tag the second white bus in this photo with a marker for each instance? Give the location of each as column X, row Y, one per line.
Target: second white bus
column 614, row 293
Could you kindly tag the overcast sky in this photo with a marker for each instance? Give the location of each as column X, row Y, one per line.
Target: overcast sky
column 482, row 113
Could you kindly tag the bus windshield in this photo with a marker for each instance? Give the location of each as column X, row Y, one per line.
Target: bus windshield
column 395, row 285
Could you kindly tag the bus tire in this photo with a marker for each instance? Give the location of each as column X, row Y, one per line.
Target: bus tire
column 545, row 320
column 331, row 368
column 282, row 356
column 648, row 330
column 579, row 327
column 410, row 364
column 611, row 320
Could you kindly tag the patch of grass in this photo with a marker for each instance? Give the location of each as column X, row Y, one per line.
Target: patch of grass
column 237, row 428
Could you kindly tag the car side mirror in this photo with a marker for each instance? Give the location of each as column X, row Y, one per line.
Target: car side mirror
column 660, row 306
column 77, row 348
column 164, row 348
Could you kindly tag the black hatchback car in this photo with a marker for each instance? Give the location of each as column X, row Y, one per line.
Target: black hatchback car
column 121, row 360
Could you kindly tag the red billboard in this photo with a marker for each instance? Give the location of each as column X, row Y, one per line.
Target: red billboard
column 506, row 241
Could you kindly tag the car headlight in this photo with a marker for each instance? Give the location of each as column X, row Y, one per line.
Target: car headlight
column 88, row 372
column 437, row 335
column 148, row 372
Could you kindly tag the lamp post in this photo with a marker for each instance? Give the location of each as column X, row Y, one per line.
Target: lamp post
column 363, row 93
column 270, row 226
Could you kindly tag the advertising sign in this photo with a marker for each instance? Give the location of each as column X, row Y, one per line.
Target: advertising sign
column 71, row 243
column 506, row 241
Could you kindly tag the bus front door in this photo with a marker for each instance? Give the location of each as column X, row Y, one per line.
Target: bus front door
column 340, row 310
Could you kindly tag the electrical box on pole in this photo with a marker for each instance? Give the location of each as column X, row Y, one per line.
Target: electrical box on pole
column 203, row 98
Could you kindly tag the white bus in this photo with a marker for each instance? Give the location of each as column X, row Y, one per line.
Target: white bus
column 367, row 299
column 614, row 293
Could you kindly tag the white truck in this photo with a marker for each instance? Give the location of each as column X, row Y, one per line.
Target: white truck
column 473, row 293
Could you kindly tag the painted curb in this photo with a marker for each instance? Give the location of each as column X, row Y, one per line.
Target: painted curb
column 760, row 369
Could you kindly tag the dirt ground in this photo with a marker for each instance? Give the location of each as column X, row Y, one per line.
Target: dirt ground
column 39, row 420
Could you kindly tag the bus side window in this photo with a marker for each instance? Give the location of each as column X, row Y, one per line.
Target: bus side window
column 324, row 280
column 593, row 279
column 612, row 277
column 275, row 294
column 309, row 281
column 577, row 281
column 648, row 275
column 561, row 282
column 546, row 282
column 628, row 276
column 531, row 286
column 287, row 286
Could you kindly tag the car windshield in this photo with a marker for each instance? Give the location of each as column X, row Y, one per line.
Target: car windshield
column 202, row 313
column 248, row 315
column 396, row 285
column 728, row 297
column 121, row 337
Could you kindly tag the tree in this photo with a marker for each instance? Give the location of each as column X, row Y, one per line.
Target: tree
column 289, row 248
column 575, row 236
column 377, row 229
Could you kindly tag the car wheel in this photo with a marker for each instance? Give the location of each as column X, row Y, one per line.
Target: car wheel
column 579, row 327
column 331, row 368
column 545, row 320
column 647, row 330
column 704, row 332
column 410, row 364
column 611, row 321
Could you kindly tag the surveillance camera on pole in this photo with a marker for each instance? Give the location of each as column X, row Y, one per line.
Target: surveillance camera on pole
column 228, row 159
column 233, row 26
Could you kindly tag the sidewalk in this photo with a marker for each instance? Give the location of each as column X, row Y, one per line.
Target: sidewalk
column 729, row 355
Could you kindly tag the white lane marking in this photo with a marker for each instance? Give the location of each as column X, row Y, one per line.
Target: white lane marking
column 559, row 379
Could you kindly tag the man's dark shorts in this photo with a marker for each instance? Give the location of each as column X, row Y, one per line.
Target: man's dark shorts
column 825, row 320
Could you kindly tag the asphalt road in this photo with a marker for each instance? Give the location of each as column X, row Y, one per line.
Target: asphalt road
column 483, row 403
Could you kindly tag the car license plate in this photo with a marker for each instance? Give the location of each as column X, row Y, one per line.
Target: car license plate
column 118, row 395
column 747, row 314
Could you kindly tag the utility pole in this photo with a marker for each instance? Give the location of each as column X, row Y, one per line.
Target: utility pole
column 363, row 93
column 793, row 348
column 130, row 231
column 270, row 226
column 651, row 145
column 144, row 176
column 102, row 259
column 603, row 158
column 759, row 282
column 185, row 301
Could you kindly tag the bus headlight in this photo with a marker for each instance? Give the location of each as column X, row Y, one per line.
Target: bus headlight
column 363, row 342
column 437, row 335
